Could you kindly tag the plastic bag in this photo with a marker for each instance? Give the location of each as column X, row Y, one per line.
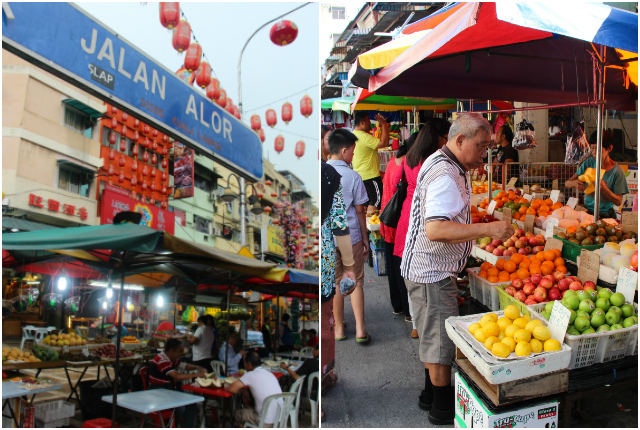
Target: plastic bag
column 577, row 149
column 525, row 137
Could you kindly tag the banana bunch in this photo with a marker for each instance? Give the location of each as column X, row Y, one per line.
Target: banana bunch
column 589, row 177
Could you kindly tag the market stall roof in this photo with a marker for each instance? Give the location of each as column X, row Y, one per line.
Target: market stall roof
column 511, row 51
column 365, row 100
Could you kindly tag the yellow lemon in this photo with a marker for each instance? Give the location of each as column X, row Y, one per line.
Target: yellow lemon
column 552, row 345
column 473, row 327
column 501, row 336
column 504, row 322
column 510, row 343
column 520, row 322
column 488, row 318
column 491, row 329
column 542, row 333
column 490, row 341
column 523, row 349
column 522, row 336
column 532, row 324
column 512, row 312
column 536, row 346
column 480, row 337
column 527, row 317
column 511, row 330
column 500, row 350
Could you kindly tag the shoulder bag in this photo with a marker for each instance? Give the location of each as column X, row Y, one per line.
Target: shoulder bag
column 392, row 211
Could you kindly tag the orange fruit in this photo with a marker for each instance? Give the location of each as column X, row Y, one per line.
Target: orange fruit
column 516, row 216
column 556, row 205
column 517, row 258
column 474, row 209
column 482, row 205
column 562, row 269
column 549, row 255
column 483, row 274
column 572, row 229
column 492, row 279
column 530, row 211
column 483, row 213
column 535, row 205
column 543, row 208
column 505, row 199
column 558, row 253
column 549, row 202
column 522, row 210
column 493, row 272
column 501, row 194
column 513, row 276
column 510, row 266
column 540, row 256
column 546, row 270
column 499, row 204
column 500, row 263
column 533, row 270
column 558, row 261
column 486, row 266
column 525, row 264
column 503, row 276
column 523, row 273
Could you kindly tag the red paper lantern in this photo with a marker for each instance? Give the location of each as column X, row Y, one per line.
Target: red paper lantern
column 152, row 201
column 124, row 131
column 136, row 123
column 114, row 122
column 125, row 117
column 275, row 222
column 112, row 154
column 154, row 145
column 134, row 165
column 306, row 106
column 153, row 173
column 261, row 134
column 256, row 124
column 145, row 142
column 145, row 171
column 267, row 209
column 163, row 204
column 309, row 247
column 110, row 169
column 303, row 236
column 122, row 161
column 144, row 187
column 229, row 106
column 274, row 195
column 315, row 257
column 283, row 194
column 164, row 163
column 271, row 118
column 222, row 99
column 134, row 182
column 123, row 144
column 315, row 242
column 165, row 139
column 154, row 133
column 279, row 144
column 169, row 14
column 153, row 186
column 305, row 255
column 181, row 36
column 164, row 190
column 309, row 227
column 268, row 183
column 287, row 112
column 145, row 130
column 112, row 138
column 236, row 112
column 114, row 110
column 145, row 157
column 121, row 177
column 154, row 159
column 193, row 56
column 299, row 149
column 134, row 150
column 213, row 89
column 135, row 136
column 283, row 33
column 203, row 75
column 164, row 175
column 260, row 195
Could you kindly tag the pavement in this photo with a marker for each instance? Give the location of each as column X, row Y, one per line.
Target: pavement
column 379, row 383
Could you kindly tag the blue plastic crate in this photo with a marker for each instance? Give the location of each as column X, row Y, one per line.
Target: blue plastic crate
column 379, row 260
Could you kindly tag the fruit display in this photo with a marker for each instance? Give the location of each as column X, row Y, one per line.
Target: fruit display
column 77, row 357
column 523, row 267
column 71, row 339
column 478, row 217
column 567, row 218
column 210, row 383
column 155, row 344
column 513, row 335
column 597, row 234
column 520, row 243
column 589, row 176
column 233, row 316
column 44, row 354
column 109, row 351
column 481, row 187
column 129, row 339
column 142, row 350
column 616, row 255
column 98, row 340
column 374, row 219
column 15, row 354
column 595, row 312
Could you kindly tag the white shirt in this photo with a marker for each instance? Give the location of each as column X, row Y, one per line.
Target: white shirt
column 232, row 360
column 202, row 349
column 263, row 384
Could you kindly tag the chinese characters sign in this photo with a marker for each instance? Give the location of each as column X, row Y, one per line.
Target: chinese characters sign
column 55, row 206
column 152, row 216
column 182, row 171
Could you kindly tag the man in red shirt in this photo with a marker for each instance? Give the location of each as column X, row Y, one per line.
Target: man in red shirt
column 313, row 338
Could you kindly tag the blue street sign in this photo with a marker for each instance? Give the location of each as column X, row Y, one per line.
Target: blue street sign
column 66, row 41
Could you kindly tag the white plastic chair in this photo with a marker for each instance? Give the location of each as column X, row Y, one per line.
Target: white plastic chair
column 41, row 333
column 314, row 403
column 306, row 350
column 218, row 368
column 296, row 388
column 282, row 411
column 28, row 332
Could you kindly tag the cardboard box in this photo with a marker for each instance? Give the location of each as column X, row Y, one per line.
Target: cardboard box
column 472, row 412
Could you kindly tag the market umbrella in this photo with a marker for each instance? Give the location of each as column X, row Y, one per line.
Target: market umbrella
column 365, row 100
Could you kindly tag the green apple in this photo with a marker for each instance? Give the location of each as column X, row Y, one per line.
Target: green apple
column 584, row 315
column 586, row 306
column 589, row 331
column 598, row 311
column 617, row 299
column 603, row 304
column 546, row 315
column 581, row 324
column 627, row 310
column 573, row 316
column 616, row 327
column 569, row 293
column 572, row 331
column 571, row 302
column 593, row 295
column 549, row 306
column 604, row 293
column 597, row 320
column 616, row 310
column 583, row 295
column 612, row 317
column 603, row 328
column 628, row 322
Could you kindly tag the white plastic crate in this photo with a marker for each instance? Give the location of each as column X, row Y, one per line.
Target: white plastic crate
column 64, row 422
column 483, row 255
column 54, row 411
column 484, row 291
column 588, row 349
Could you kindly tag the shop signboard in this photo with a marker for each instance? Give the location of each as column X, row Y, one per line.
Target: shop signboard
column 114, row 202
column 183, row 180
column 91, row 56
column 272, row 240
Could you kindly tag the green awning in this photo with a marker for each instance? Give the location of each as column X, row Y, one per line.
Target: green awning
column 10, row 223
column 84, row 108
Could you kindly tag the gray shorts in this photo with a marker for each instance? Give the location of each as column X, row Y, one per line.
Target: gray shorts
column 433, row 303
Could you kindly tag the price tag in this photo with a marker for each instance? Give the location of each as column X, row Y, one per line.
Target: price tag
column 554, row 184
column 627, row 283
column 553, row 244
column 507, row 215
column 85, row 351
column 529, row 221
column 558, row 321
column 629, row 221
column 589, row 266
column 528, row 197
column 526, row 189
column 572, row 202
column 492, row 207
column 65, row 349
column 581, row 209
column 551, row 222
column 512, row 183
column 555, row 195
column 557, row 230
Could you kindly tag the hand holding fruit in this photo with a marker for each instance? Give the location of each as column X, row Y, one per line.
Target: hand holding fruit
column 500, row 230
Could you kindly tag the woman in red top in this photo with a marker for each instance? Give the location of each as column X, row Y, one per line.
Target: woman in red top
column 398, row 296
column 432, row 136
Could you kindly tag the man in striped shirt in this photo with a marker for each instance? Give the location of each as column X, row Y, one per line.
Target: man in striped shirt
column 436, row 250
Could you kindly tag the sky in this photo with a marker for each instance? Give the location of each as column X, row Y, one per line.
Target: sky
column 271, row 74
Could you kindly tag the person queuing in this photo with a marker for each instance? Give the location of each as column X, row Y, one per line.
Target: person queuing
column 334, row 223
column 365, row 157
column 437, row 246
column 165, row 371
column 342, row 144
column 261, row 384
column 285, row 334
column 233, row 358
column 431, row 137
column 613, row 184
column 202, row 341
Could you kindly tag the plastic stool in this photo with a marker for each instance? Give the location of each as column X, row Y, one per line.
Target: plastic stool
column 98, row 423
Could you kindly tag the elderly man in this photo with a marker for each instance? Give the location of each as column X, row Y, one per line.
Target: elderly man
column 436, row 250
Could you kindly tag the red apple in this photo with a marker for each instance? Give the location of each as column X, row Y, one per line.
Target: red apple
column 496, row 242
column 527, row 279
column 573, row 279
column 558, row 276
column 497, row 252
column 540, row 294
column 541, row 239
column 530, row 302
column 502, row 247
column 533, row 241
column 546, row 283
column 517, row 284
column 519, row 232
column 529, row 234
column 513, row 249
column 507, row 253
column 575, row 286
column 476, row 219
column 536, row 278
column 524, row 251
column 518, row 192
column 537, row 249
column 488, row 218
column 554, row 294
column 482, row 245
column 490, row 247
column 520, row 244
column 520, row 296
column 509, row 243
column 528, row 288
column 589, row 284
column 510, row 290
column 563, row 284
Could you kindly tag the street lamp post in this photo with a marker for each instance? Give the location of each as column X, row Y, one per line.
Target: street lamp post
column 228, row 196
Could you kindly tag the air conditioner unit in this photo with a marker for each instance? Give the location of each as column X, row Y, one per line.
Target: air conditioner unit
column 212, row 196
